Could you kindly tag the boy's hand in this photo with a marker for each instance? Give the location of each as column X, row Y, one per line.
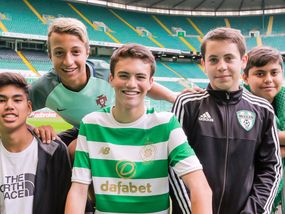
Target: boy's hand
column 193, row 90
column 46, row 133
column 282, row 151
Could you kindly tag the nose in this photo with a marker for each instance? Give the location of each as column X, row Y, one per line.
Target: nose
column 222, row 65
column 131, row 82
column 68, row 60
column 9, row 104
column 268, row 78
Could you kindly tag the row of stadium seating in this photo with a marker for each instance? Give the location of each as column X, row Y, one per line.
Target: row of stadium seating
column 168, row 74
column 32, row 16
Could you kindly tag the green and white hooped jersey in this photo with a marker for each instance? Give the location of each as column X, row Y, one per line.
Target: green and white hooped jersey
column 128, row 163
column 72, row 106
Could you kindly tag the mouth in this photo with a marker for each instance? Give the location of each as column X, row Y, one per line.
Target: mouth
column 223, row 76
column 10, row 117
column 130, row 93
column 268, row 88
column 68, row 70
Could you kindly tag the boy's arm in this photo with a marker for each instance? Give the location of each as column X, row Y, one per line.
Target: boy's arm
column 268, row 171
column 281, row 135
column 159, row 92
column 76, row 198
column 200, row 192
column 81, row 176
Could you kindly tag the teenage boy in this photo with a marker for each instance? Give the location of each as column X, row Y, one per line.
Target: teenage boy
column 120, row 151
column 231, row 131
column 34, row 177
column 263, row 76
column 75, row 86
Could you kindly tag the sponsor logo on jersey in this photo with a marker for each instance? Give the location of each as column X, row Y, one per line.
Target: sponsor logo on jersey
column 246, row 119
column 206, row 117
column 125, row 187
column 126, row 169
column 101, row 100
column 19, row 186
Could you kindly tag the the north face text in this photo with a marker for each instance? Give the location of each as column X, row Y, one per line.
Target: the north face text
column 19, row 186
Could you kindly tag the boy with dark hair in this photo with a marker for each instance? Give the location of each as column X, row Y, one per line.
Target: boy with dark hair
column 120, row 152
column 34, row 177
column 232, row 131
column 263, row 76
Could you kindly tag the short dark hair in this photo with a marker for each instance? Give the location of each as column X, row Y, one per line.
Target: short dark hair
column 261, row 55
column 224, row 34
column 133, row 51
column 15, row 79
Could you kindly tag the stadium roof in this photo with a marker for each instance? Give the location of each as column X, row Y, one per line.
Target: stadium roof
column 209, row 7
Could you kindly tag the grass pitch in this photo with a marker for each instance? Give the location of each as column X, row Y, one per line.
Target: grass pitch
column 58, row 124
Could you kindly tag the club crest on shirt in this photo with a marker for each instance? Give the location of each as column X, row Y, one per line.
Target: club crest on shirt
column 148, row 152
column 101, row 100
column 246, row 119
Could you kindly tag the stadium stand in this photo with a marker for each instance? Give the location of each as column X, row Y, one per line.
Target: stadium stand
column 278, row 24
column 9, row 59
column 205, row 24
column 20, row 19
column 39, row 60
column 113, row 26
column 249, row 23
column 118, row 28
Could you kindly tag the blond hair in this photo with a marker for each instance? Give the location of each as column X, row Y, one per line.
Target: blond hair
column 69, row 26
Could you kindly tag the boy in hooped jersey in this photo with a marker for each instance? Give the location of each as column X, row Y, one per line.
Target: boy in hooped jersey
column 76, row 85
column 34, row 177
column 120, row 151
column 263, row 76
column 232, row 132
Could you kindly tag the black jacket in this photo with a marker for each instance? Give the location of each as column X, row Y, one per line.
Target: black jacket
column 235, row 138
column 53, row 178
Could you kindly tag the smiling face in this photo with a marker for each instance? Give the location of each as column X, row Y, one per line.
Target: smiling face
column 223, row 64
column 69, row 54
column 265, row 81
column 14, row 109
column 131, row 81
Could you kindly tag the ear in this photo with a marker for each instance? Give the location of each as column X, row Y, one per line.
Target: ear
column 88, row 51
column 203, row 65
column 245, row 78
column 151, row 82
column 49, row 55
column 244, row 60
column 111, row 78
column 30, row 108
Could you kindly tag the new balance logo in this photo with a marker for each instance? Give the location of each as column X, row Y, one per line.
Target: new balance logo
column 206, row 117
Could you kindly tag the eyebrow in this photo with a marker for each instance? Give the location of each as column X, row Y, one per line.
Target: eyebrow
column 228, row 54
column 14, row 96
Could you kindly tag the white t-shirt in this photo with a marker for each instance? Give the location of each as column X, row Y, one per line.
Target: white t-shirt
column 17, row 179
